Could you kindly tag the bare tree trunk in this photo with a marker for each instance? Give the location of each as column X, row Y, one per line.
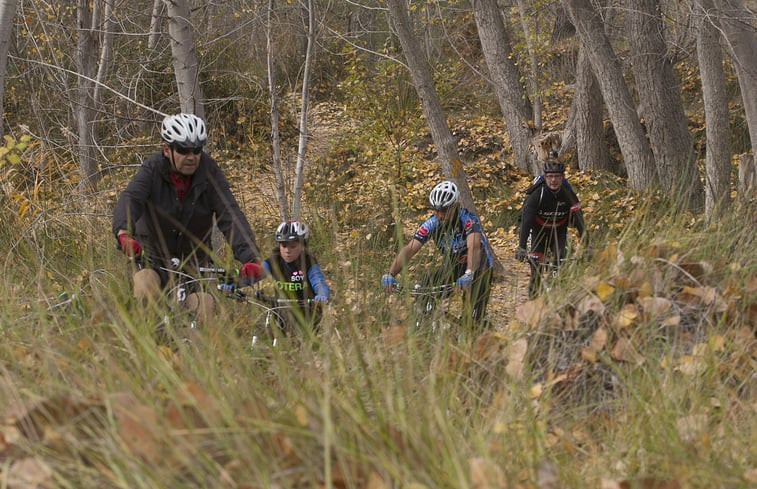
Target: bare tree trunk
column 299, row 173
column 184, row 56
column 108, row 27
column 533, row 76
column 591, row 148
column 661, row 105
column 157, row 9
column 278, row 174
column 446, row 145
column 505, row 79
column 86, row 62
column 714, row 91
column 747, row 176
column 7, row 14
column 633, row 142
column 739, row 28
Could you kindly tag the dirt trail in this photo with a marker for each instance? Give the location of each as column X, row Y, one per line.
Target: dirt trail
column 509, row 288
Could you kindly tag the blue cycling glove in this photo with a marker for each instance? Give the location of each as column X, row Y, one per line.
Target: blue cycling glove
column 388, row 280
column 321, row 298
column 465, row 279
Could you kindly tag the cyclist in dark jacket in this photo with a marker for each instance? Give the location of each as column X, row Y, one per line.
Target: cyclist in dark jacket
column 458, row 235
column 547, row 212
column 167, row 211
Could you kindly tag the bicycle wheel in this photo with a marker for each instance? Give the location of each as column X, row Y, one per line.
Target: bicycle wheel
column 267, row 327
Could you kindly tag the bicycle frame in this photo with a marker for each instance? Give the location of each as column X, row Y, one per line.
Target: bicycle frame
column 429, row 306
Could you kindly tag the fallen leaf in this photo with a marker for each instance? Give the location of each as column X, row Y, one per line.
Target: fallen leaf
column 393, row 335
column 516, row 354
column 375, row 481
column 548, row 475
column 604, row 291
column 627, row 316
column 623, row 351
column 28, row 473
column 137, row 426
column 531, row 312
column 691, row 427
column 672, row 321
column 485, row 474
column 655, row 306
column 690, row 365
column 591, row 303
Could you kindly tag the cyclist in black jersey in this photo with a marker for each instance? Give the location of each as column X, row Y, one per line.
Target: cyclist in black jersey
column 547, row 213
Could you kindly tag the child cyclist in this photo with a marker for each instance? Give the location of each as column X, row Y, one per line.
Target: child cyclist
column 296, row 274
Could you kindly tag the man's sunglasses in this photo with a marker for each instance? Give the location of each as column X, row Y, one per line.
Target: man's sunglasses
column 186, row 151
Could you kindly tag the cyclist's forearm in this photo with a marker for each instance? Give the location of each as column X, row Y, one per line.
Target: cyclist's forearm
column 405, row 254
column 316, row 278
column 474, row 251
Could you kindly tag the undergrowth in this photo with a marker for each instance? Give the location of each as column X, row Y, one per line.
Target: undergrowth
column 639, row 365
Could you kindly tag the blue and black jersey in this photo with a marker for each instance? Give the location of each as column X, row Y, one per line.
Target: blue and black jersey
column 451, row 239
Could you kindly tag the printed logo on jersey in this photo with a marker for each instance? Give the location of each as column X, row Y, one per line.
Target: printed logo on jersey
column 422, row 231
column 468, row 225
column 297, row 276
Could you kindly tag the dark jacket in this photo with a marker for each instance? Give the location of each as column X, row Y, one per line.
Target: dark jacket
column 547, row 210
column 150, row 210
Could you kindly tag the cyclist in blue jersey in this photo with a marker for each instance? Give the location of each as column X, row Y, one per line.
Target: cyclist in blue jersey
column 467, row 258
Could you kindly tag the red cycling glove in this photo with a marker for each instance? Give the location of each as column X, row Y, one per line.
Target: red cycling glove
column 129, row 245
column 251, row 270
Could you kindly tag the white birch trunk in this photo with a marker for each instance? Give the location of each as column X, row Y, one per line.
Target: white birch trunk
column 155, row 18
column 278, row 174
column 184, row 56
column 299, row 174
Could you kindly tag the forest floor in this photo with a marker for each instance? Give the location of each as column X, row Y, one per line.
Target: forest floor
column 509, row 288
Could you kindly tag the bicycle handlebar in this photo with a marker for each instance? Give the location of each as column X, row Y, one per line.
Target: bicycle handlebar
column 419, row 290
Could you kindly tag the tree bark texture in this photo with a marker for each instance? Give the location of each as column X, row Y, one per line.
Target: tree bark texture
column 446, row 145
column 299, row 174
column 718, row 134
column 7, row 14
column 633, row 142
column 86, row 64
column 185, row 64
column 278, row 174
column 152, row 39
column 660, row 104
column 739, row 27
column 505, row 79
column 591, row 148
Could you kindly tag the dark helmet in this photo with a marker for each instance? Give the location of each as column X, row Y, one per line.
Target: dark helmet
column 292, row 231
column 554, row 166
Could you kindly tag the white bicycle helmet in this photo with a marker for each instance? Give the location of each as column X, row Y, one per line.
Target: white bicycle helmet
column 184, row 130
column 444, row 195
column 292, row 231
